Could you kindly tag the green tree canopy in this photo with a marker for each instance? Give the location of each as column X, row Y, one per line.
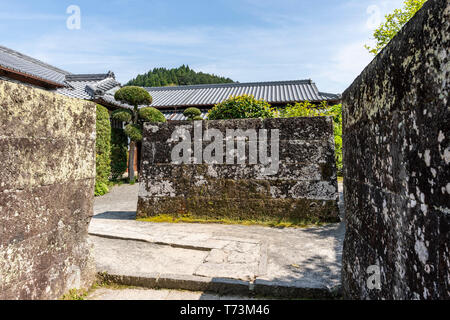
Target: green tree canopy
column 394, row 22
column 162, row 77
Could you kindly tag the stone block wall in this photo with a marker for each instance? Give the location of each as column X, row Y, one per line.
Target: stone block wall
column 303, row 188
column 47, row 150
column 397, row 166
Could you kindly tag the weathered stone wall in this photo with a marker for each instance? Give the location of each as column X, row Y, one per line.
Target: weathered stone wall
column 304, row 188
column 396, row 160
column 47, row 148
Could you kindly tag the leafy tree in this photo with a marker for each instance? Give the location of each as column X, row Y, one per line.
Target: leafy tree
column 161, row 77
column 241, row 107
column 134, row 118
column 306, row 109
column 394, row 23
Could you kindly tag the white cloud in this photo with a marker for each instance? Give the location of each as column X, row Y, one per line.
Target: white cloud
column 348, row 62
column 332, row 54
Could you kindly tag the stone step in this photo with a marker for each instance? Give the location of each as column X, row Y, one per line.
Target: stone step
column 298, row 263
column 138, row 263
column 222, row 286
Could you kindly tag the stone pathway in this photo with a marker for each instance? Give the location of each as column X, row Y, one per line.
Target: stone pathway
column 226, row 259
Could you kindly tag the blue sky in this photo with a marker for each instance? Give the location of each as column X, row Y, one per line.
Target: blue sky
column 246, row 40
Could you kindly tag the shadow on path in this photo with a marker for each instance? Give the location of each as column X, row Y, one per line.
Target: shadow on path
column 116, row 215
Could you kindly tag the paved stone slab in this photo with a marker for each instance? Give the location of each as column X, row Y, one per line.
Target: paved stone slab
column 119, row 256
column 214, row 257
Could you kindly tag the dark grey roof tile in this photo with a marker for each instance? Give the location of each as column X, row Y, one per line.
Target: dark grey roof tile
column 279, row 92
column 19, row 62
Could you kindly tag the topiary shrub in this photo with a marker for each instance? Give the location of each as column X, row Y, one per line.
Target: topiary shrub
column 192, row 113
column 134, row 96
column 134, row 132
column 150, row 114
column 198, row 118
column 103, row 150
column 241, row 107
column 119, row 150
column 123, row 115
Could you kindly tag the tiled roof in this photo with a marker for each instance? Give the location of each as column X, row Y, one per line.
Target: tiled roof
column 82, row 86
column 282, row 92
column 88, row 87
column 177, row 116
column 101, row 87
column 16, row 61
column 90, row 77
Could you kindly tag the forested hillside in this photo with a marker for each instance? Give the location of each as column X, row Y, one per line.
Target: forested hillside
column 161, row 77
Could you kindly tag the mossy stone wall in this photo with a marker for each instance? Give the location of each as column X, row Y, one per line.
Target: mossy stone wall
column 396, row 124
column 303, row 189
column 47, row 177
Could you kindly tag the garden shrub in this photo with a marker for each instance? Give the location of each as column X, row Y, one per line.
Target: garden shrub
column 133, row 96
column 101, row 188
column 119, row 150
column 103, row 150
column 192, row 113
column 123, row 115
column 198, row 118
column 150, row 114
column 134, row 132
column 241, row 107
column 136, row 97
column 306, row 109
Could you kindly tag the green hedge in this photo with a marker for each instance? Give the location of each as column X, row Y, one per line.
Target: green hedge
column 241, row 107
column 103, row 151
column 119, row 150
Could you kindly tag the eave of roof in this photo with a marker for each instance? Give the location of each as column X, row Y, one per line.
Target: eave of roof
column 22, row 76
column 24, row 65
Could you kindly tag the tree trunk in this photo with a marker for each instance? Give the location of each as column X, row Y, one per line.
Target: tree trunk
column 131, row 161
